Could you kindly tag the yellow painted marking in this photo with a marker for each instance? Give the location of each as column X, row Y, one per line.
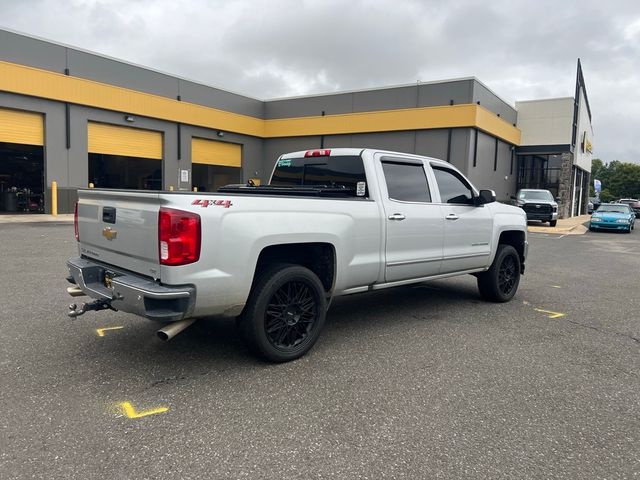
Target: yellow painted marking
column 100, row 331
column 556, row 286
column 550, row 313
column 130, row 412
column 525, row 302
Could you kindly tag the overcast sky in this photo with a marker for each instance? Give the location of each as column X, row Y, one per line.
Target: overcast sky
column 272, row 48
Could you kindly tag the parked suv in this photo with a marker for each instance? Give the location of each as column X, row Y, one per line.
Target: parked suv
column 633, row 203
column 538, row 205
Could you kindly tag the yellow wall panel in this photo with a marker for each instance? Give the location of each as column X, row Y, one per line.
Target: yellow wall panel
column 379, row 121
column 21, row 127
column 211, row 152
column 127, row 141
column 490, row 123
column 55, row 86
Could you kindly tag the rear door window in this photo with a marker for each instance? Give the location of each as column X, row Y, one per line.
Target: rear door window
column 406, row 182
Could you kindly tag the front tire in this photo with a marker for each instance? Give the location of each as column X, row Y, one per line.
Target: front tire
column 500, row 282
column 553, row 223
column 284, row 314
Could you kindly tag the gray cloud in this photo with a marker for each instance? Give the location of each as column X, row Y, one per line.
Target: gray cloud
column 520, row 49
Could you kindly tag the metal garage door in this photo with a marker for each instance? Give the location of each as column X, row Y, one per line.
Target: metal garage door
column 124, row 141
column 24, row 128
column 210, row 152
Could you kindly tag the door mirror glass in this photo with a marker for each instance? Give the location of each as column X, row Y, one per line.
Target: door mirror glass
column 486, row 196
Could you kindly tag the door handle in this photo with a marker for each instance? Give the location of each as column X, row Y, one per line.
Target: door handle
column 397, row 216
column 452, row 216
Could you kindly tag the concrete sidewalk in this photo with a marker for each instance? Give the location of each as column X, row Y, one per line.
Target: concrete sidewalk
column 566, row 226
column 36, row 218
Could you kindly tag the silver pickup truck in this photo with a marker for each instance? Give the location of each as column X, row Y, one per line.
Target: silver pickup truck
column 331, row 222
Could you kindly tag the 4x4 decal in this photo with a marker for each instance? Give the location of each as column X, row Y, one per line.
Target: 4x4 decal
column 216, row 203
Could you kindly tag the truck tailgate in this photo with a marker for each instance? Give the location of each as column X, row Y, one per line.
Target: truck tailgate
column 120, row 229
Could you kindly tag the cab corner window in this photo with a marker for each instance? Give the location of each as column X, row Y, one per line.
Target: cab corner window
column 453, row 189
column 406, row 182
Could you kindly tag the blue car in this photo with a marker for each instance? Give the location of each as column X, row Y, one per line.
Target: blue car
column 613, row 216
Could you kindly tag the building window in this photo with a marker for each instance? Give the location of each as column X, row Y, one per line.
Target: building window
column 540, row 171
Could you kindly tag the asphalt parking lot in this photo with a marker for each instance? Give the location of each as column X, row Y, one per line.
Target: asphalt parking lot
column 418, row 382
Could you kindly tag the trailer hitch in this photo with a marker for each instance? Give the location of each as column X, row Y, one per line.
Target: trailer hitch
column 96, row 305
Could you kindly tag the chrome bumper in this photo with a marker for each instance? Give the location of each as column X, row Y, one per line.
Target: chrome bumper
column 132, row 293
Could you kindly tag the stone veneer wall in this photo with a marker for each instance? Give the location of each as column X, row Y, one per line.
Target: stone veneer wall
column 585, row 192
column 565, row 186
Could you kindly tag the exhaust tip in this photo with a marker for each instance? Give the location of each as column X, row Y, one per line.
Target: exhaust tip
column 174, row 328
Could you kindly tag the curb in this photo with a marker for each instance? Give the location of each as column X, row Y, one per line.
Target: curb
column 572, row 230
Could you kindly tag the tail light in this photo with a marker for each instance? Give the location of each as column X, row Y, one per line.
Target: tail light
column 318, row 153
column 178, row 237
column 75, row 223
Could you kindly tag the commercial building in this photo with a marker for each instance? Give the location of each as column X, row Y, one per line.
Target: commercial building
column 80, row 119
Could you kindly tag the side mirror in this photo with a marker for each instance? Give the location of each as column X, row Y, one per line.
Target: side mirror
column 513, row 197
column 557, row 199
column 485, row 196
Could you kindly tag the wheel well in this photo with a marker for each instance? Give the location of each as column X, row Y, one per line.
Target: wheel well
column 514, row 238
column 317, row 257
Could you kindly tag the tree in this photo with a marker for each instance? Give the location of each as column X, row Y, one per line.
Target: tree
column 619, row 179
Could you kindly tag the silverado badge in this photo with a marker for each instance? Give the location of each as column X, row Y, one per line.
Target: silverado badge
column 108, row 233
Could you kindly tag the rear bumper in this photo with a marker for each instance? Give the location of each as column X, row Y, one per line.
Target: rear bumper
column 132, row 293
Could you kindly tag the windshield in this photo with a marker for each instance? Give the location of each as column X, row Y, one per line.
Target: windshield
column 613, row 208
column 535, row 195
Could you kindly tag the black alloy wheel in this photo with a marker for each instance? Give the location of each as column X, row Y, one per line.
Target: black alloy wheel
column 500, row 282
column 284, row 314
column 507, row 275
column 290, row 315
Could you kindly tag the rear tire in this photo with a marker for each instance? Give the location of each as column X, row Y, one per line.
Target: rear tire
column 284, row 314
column 553, row 223
column 500, row 282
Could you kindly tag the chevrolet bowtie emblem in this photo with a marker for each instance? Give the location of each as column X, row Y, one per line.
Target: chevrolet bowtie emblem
column 108, row 233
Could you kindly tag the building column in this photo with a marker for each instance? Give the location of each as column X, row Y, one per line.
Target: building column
column 565, row 186
column 585, row 192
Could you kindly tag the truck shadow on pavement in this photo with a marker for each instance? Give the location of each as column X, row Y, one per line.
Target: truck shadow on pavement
column 214, row 343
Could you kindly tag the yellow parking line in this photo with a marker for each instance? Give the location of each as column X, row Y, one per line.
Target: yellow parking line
column 549, row 313
column 100, row 331
column 131, row 412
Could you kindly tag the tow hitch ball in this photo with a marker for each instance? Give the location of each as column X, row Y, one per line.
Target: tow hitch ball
column 74, row 311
